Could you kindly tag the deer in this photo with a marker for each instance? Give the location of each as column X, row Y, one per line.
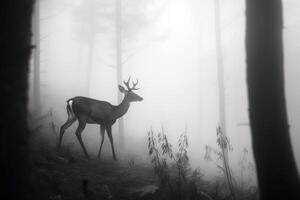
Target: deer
column 92, row 111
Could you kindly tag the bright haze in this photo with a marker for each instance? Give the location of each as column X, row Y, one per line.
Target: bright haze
column 170, row 47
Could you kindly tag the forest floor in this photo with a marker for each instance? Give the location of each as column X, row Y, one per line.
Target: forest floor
column 69, row 175
column 61, row 176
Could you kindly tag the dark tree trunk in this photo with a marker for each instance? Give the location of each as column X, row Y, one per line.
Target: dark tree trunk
column 276, row 169
column 36, row 59
column 15, row 47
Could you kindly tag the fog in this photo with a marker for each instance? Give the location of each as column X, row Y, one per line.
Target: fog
column 170, row 46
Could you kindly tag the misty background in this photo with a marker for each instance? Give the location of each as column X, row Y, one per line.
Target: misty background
column 170, row 46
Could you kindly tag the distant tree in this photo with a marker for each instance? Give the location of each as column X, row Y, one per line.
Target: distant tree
column 123, row 18
column 90, row 16
column 275, row 164
column 119, row 63
column 91, row 22
column 16, row 48
column 130, row 18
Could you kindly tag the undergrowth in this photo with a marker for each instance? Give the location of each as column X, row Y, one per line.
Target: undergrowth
column 176, row 178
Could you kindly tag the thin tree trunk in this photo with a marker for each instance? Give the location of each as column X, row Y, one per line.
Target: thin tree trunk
column 36, row 58
column 16, row 49
column 275, row 164
column 90, row 64
column 119, row 67
column 91, row 45
column 220, row 67
column 222, row 95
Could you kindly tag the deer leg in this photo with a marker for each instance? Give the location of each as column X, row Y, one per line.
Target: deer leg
column 102, row 132
column 63, row 128
column 79, row 130
column 108, row 129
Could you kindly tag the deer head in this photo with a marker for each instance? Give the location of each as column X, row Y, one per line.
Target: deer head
column 130, row 96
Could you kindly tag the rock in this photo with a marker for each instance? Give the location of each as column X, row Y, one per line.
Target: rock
column 205, row 196
column 143, row 191
column 58, row 159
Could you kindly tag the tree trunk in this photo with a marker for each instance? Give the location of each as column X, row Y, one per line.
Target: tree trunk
column 36, row 58
column 275, row 164
column 16, row 49
column 221, row 89
column 119, row 67
column 90, row 63
column 91, row 44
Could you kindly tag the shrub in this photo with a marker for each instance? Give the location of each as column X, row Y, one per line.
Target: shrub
column 173, row 168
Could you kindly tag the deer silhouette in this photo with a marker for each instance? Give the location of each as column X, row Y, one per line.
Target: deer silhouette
column 91, row 111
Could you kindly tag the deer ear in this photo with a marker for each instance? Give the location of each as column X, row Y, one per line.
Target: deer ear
column 122, row 89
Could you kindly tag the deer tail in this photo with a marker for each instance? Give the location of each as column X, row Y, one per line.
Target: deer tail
column 69, row 107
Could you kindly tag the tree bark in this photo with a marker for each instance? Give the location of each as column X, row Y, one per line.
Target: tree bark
column 36, row 58
column 16, row 49
column 275, row 164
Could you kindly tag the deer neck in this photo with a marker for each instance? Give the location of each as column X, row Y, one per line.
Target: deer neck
column 122, row 108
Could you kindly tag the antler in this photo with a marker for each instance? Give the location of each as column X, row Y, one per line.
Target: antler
column 135, row 84
column 126, row 83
